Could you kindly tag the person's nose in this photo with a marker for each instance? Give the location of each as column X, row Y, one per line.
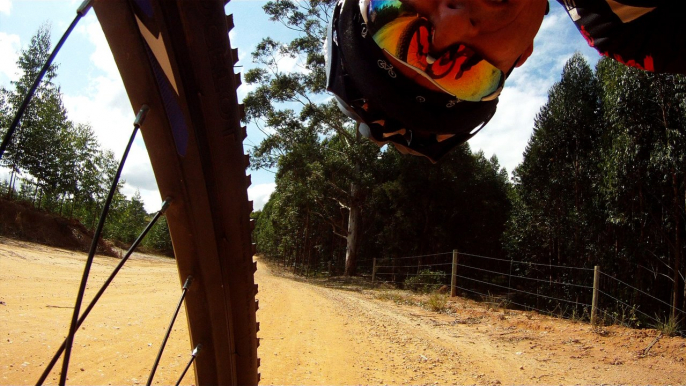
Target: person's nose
column 454, row 21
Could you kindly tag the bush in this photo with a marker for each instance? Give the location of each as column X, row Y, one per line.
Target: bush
column 425, row 281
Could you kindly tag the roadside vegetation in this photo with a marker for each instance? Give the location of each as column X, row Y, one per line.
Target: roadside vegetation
column 57, row 166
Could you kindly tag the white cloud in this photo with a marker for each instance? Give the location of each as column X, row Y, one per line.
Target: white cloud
column 9, row 53
column 508, row 132
column 260, row 194
column 245, row 89
column 105, row 105
column 5, row 6
column 102, row 56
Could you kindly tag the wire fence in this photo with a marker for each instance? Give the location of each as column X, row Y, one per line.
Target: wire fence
column 579, row 293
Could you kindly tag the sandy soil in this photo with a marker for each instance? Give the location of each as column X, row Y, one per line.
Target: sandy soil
column 118, row 342
column 316, row 332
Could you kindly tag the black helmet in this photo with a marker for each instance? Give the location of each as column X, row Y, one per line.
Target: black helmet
column 389, row 106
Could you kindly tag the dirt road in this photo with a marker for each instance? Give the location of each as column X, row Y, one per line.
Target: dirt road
column 318, row 335
column 317, row 332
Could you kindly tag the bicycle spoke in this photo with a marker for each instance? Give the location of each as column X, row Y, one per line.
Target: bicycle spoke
column 187, row 284
column 94, row 244
column 194, row 354
column 107, row 282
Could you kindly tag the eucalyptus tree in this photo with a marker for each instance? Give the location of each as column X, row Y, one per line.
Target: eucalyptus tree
column 33, row 143
column 557, row 216
column 320, row 157
column 424, row 209
column 645, row 172
column 79, row 179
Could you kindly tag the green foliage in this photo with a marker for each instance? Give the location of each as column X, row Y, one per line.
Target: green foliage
column 425, row 281
column 556, row 183
column 419, row 208
column 158, row 238
column 603, row 183
column 58, row 165
column 126, row 219
column 36, row 146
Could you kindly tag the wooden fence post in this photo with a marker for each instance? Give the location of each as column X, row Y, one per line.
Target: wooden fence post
column 594, row 302
column 453, row 277
column 373, row 269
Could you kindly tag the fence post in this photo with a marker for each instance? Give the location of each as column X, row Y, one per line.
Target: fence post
column 453, row 277
column 594, row 302
column 373, row 269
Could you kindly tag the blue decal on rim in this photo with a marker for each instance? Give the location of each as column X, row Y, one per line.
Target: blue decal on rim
column 145, row 6
column 177, row 121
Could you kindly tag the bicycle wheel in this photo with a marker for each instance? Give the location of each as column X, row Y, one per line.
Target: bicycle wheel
column 175, row 57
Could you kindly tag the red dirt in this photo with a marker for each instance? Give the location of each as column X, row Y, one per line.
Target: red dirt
column 21, row 221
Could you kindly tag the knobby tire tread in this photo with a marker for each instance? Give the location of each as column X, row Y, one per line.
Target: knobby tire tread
column 176, row 57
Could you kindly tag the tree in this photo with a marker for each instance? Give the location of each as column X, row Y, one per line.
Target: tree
column 558, row 217
column 159, row 239
column 127, row 218
column 419, row 208
column 556, row 180
column 603, row 180
column 644, row 185
column 36, row 143
column 316, row 149
column 60, row 163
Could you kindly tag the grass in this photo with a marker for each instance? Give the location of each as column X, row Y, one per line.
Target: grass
column 668, row 326
column 394, row 297
column 437, row 302
column 495, row 302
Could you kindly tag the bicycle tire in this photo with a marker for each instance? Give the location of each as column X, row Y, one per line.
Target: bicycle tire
column 176, row 57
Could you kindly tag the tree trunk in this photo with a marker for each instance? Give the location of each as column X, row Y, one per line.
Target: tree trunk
column 677, row 290
column 352, row 246
column 354, row 220
column 10, row 187
column 307, row 244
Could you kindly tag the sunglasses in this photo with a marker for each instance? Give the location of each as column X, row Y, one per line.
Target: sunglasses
column 405, row 38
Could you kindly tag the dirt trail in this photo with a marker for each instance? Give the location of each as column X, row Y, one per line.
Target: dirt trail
column 311, row 333
column 334, row 336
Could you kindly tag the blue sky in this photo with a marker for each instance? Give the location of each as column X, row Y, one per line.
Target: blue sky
column 94, row 94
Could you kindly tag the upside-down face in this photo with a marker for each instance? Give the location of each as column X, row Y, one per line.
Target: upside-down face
column 501, row 31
